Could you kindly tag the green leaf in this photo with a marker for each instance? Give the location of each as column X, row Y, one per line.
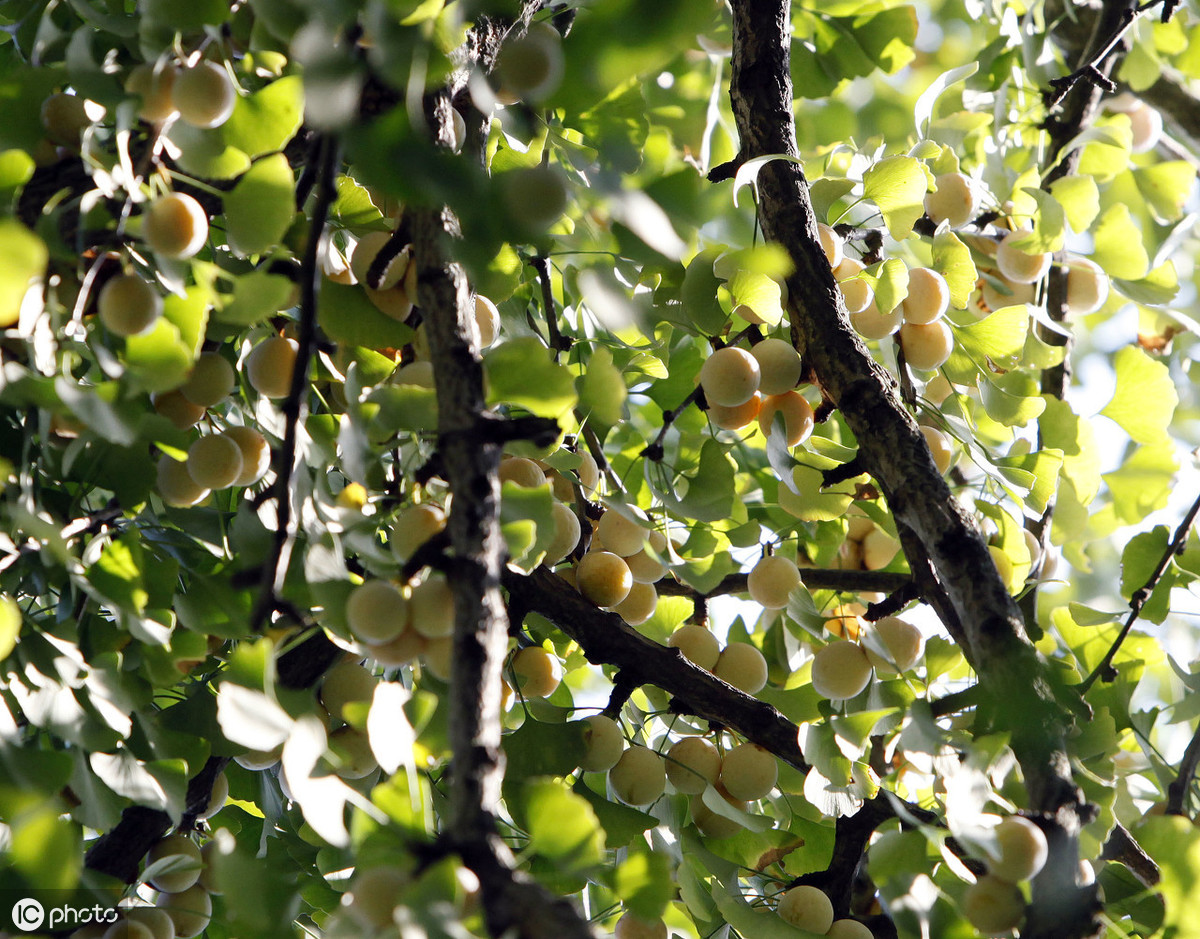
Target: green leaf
column 1174, row 843
column 10, row 624
column 25, row 258
column 1145, row 399
column 259, row 210
column 621, row 823
column 923, row 110
column 1012, row 399
column 806, row 500
column 257, row 296
column 1038, row 474
column 644, row 884
column 897, row 185
column 1049, row 225
column 1079, row 198
column 1141, row 556
column 353, row 207
column 1064, row 430
column 265, row 121
column 521, row 372
column 117, row 574
column 562, row 825
column 402, row 408
column 758, row 292
column 1143, row 482
column 998, row 336
column 890, row 282
column 159, row 359
column 45, row 849
column 952, row 259
column 527, row 522
column 602, row 389
column 204, row 153
column 710, row 490
column 541, row 749
column 16, row 168
column 347, row 316
column 1119, row 249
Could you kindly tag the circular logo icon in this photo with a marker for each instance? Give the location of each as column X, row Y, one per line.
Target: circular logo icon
column 27, row 914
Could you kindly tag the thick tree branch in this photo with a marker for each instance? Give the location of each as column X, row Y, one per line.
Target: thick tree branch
column 814, row 578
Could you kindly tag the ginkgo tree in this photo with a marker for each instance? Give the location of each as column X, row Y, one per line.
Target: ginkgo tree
column 560, row 470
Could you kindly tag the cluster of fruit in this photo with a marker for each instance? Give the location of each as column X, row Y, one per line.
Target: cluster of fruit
column 809, row 908
column 994, row 903
column 842, row 668
column 742, row 386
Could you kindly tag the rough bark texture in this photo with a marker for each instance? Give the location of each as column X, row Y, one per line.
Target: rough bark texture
column 1011, row 672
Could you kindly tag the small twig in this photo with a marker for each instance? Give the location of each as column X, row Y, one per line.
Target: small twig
column 1090, row 71
column 1122, row 848
column 1177, row 791
column 839, row 474
column 654, row 450
column 1138, row 600
column 93, row 521
column 893, row 603
column 621, row 693
column 558, row 342
column 955, row 701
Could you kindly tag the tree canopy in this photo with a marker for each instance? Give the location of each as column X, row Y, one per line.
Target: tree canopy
column 559, row 470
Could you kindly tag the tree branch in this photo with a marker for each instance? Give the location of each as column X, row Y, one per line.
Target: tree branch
column 814, row 578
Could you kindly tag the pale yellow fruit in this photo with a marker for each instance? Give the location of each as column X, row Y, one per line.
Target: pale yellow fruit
column 742, row 666
column 1147, row 127
column 415, row 373
column 128, row 306
column 130, row 929
column 256, row 454
column 363, row 256
column 639, row 605
column 953, row 201
column 871, row 324
column 840, row 670
column 431, row 607
column 175, row 226
column 270, row 365
column 1087, row 286
column 354, row 758
column 375, row 893
column 904, row 644
column 204, row 95
column 645, row 568
column 631, row 926
column 217, row 798
column 183, row 852
column 993, row 905
column 175, row 483
column 487, row 320
column 778, row 364
column 748, row 772
column 1023, row 850
column 346, row 683
column 831, row 244
column 603, row 577
column 535, row 197
column 399, row 651
column 567, row 531
column 729, row 377
column 808, row 908
column 522, row 472
column 214, row 461
column 878, row 549
column 798, row 417
column 926, row 347
column 376, row 611
column 588, row 472
column 937, row 390
column 928, row 296
column 995, row 299
column 177, row 409
column 849, row 929
column 605, row 743
column 65, row 118
column 1017, row 265
column 772, row 581
column 537, row 672
column 846, row 622
column 856, row 292
column 415, row 525
column 940, row 447
column 255, row 760
column 712, row 824
column 735, row 418
column 638, row 777
column 620, row 534
column 439, row 656
column 698, row 645
column 530, row 67
column 693, row 764
column 395, row 302
column 154, row 85
column 154, row 919
column 210, row 381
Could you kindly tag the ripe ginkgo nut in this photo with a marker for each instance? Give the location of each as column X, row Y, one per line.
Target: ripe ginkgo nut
column 620, row 534
column 778, row 364
column 737, row 417
column 772, row 580
column 928, row 296
column 639, row 776
column 345, row 683
column 926, row 347
column 729, row 376
column 176, row 485
column 849, row 929
column 65, row 118
column 530, row 67
column 632, row 926
column 155, row 85
column 190, row 910
column 415, row 525
column 1023, row 850
column 603, row 577
column 175, row 226
column 698, row 645
column 692, row 764
column 376, row 611
column 743, row 666
column 940, row 447
column 953, row 201
column 840, row 670
column 1087, row 286
column 214, row 461
column 856, row 292
column 270, row 365
column 798, row 416
column 639, row 604
column 537, row 672
column 128, row 305
column 748, row 772
column 364, row 254
column 256, row 454
column 605, row 743
column 431, row 607
column 204, row 95
column 993, row 905
column 870, row 323
column 831, row 244
column 806, row 907
column 184, row 852
column 902, row 641
column 1017, row 265
column 210, row 381
column 567, row 531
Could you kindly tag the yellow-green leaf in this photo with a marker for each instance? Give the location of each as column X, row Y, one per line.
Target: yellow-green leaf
column 898, row 185
column 1079, row 198
column 521, row 372
column 25, row 257
column 1145, row 398
column 952, row 259
column 1119, row 249
column 261, row 206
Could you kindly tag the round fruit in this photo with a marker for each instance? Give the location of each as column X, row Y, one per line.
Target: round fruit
column 639, row 605
column 214, row 461
column 399, row 651
column 270, row 365
column 798, row 417
column 566, row 534
column 698, row 645
column 439, row 657
column 355, row 759
column 375, row 893
column 840, row 670
column 713, row 824
column 808, row 908
column 692, row 764
column 638, row 777
column 210, row 382
column 175, row 226
column 605, row 743
column 255, row 760
column 729, row 377
column 535, row 196
column 856, row 292
column 376, row 611
column 130, row 929
column 256, row 454
column 621, row 535
column 531, row 67
column 645, row 568
column 953, row 200
column 431, row 607
column 631, row 926
column 748, row 772
column 993, row 905
column 772, row 580
column 412, row 528
column 737, row 417
column 129, row 306
column 1023, row 850
column 154, row 84
column 940, row 447
column 778, row 364
column 928, row 296
column 522, row 472
column 742, row 666
column 537, row 671
column 926, row 347
column 204, row 95
column 346, row 683
column 871, row 324
column 184, row 855
column 1016, row 265
column 175, row 483
column 177, row 409
column 878, row 549
column 154, row 919
column 903, row 642
column 831, row 244
column 65, row 118
column 1147, row 127
column 364, row 253
column 487, row 320
column 604, row 578
column 1087, row 286
column 849, row 929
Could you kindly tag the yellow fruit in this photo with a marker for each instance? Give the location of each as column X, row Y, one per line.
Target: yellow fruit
column 993, row 905
column 1016, row 265
column 778, row 364
column 214, row 461
column 256, row 454
column 175, row 226
column 487, row 320
column 439, row 657
column 363, row 256
column 154, row 84
column 1147, row 127
column 698, row 645
column 354, row 758
column 399, row 651
column 772, row 580
column 413, row 527
column 431, row 607
column 638, row 777
column 995, row 299
column 840, row 670
column 1023, row 850
column 217, row 798
column 831, row 244
column 1087, row 286
column 953, row 200
column 748, row 772
column 849, row 929
column 644, row 568
column 903, row 643
column 742, row 666
column 928, row 296
column 808, row 908
column 871, row 324
column 926, row 347
column 190, row 911
column 729, row 377
column 798, row 417
column 65, row 118
column 536, row 196
column 878, row 549
column 537, row 672
column 155, row 920
column 639, row 605
column 940, row 447
column 347, row 682
column 204, row 95
column 737, row 417
column 184, row 854
column 175, row 484
column 566, row 534
column 620, row 534
column 522, row 472
column 375, row 893
column 177, row 409
column 856, row 292
column 693, row 764
column 128, row 306
column 270, row 365
column 604, row 578
column 255, row 760
column 210, row 381
column 713, row 824
column 605, row 743
column 376, row 611
column 631, row 926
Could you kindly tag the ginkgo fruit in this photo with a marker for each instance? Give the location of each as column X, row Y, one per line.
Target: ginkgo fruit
column 1023, row 850
column 743, row 666
column 748, row 772
column 1087, row 286
column 413, row 526
column 154, row 84
column 347, row 682
column 692, row 764
column 1019, row 266
column 177, row 409
column 806, row 907
column 603, row 577
column 737, row 417
column 856, row 292
column 605, row 743
column 729, row 377
column 713, row 824
column 522, row 472
column 772, row 581
column 926, row 347
column 798, row 416
column 954, row 200
column 175, row 226
column 184, row 855
column 698, row 645
column 531, row 66
column 878, row 549
column 431, row 607
column 535, row 196
column 940, row 447
column 639, row 604
column 778, row 364
column 993, row 905
column 270, row 365
column 176, row 485
column 376, row 611
column 870, row 323
column 902, row 641
column 65, row 118
column 128, row 306
column 214, row 461
column 567, row 531
column 204, row 95
column 645, row 568
column 639, row 776
column 632, row 926
column 849, row 929
column 364, row 254
column 256, row 454
column 621, row 534
column 210, row 381
column 190, row 910
column 840, row 670
column 831, row 244
column 375, row 893
column 353, row 756
column 487, row 320
column 1012, row 293
column 537, row 672
column 928, row 296
column 216, row 799
column 1147, row 127
column 156, row 921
